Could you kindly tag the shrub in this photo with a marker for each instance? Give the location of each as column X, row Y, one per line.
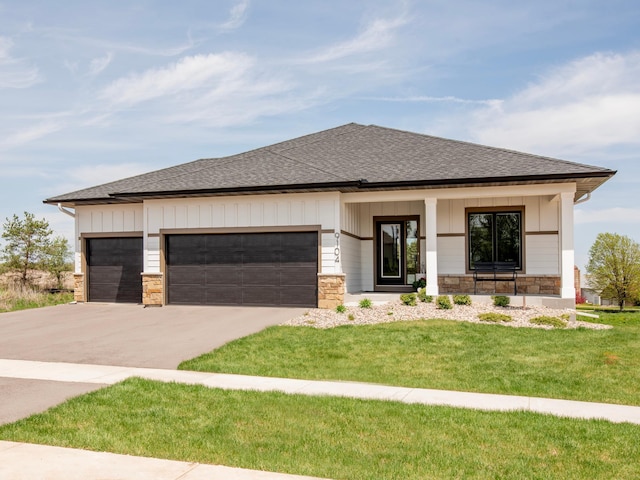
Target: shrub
column 365, row 303
column 462, row 299
column 443, row 302
column 580, row 299
column 494, row 317
column 501, row 300
column 422, row 295
column 420, row 283
column 351, row 317
column 551, row 321
column 408, row 299
column 341, row 308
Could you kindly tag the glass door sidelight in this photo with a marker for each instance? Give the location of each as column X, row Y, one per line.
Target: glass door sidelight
column 397, row 251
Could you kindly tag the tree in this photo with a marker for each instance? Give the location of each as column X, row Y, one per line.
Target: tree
column 57, row 257
column 27, row 241
column 614, row 267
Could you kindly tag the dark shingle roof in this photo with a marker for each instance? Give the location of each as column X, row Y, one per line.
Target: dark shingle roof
column 345, row 158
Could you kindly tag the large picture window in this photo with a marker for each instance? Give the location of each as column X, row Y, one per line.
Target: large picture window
column 495, row 237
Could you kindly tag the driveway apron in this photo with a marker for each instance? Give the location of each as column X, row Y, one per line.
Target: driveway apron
column 114, row 334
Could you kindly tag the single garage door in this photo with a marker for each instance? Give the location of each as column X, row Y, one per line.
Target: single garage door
column 243, row 269
column 114, row 266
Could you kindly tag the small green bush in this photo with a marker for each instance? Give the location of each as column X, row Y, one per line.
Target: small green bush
column 351, row 317
column 423, row 297
column 341, row 308
column 554, row 322
column 501, row 300
column 443, row 302
column 408, row 299
column 494, row 317
column 418, row 284
column 365, row 303
column 462, row 299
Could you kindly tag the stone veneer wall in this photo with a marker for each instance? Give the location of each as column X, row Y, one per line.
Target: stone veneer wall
column 152, row 289
column 330, row 290
column 527, row 285
column 78, row 287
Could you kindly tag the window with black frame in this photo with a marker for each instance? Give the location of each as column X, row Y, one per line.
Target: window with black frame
column 495, row 237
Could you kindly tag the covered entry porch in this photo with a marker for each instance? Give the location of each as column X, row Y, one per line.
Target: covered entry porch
column 390, row 239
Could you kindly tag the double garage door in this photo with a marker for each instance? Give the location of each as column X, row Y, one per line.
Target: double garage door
column 243, row 269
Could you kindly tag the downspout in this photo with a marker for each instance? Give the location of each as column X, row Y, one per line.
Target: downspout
column 583, row 199
column 67, row 212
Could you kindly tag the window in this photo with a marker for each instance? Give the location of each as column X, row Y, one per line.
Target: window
column 495, row 237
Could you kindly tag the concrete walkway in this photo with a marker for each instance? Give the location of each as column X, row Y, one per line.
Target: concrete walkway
column 108, row 375
column 23, row 461
column 27, row 461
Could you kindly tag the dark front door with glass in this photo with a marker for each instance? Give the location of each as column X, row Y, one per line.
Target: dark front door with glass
column 397, row 251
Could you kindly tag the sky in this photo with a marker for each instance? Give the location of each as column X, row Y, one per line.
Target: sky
column 93, row 91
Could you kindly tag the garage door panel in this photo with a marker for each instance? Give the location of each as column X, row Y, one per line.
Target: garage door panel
column 299, row 276
column 223, row 275
column 188, row 275
column 222, row 295
column 300, row 296
column 254, row 275
column 113, row 269
column 187, row 295
column 223, row 256
column 263, row 295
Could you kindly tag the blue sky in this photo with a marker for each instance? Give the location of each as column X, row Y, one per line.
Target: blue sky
column 93, row 91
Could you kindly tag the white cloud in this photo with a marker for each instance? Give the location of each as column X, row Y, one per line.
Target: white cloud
column 14, row 72
column 189, row 73
column 237, row 16
column 97, row 65
column 590, row 103
column 428, row 99
column 376, row 35
column 606, row 215
column 27, row 135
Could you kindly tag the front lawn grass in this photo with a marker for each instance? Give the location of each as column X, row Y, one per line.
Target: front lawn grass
column 582, row 364
column 332, row 437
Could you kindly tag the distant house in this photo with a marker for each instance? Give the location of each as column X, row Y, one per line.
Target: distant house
column 354, row 208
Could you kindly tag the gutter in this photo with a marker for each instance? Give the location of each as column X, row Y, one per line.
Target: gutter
column 66, row 212
column 583, row 199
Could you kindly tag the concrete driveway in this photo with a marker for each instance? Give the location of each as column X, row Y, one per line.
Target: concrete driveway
column 114, row 334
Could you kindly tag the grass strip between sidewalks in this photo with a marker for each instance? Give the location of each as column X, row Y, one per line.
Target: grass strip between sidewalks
column 582, row 364
column 332, row 437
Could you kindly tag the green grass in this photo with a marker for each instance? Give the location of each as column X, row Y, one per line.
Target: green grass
column 11, row 300
column 332, row 437
column 582, row 364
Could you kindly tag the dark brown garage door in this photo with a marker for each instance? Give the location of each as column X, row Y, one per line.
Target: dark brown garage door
column 243, row 269
column 114, row 266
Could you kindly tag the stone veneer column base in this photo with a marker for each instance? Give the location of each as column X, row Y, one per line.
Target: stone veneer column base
column 78, row 287
column 152, row 289
column 330, row 290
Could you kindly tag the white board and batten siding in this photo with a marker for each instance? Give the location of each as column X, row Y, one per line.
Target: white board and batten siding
column 240, row 212
column 108, row 219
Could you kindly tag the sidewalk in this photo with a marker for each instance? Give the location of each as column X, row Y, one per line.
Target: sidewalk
column 20, row 461
column 23, row 461
column 108, row 375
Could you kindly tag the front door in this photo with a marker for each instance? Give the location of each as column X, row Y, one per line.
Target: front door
column 397, row 251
